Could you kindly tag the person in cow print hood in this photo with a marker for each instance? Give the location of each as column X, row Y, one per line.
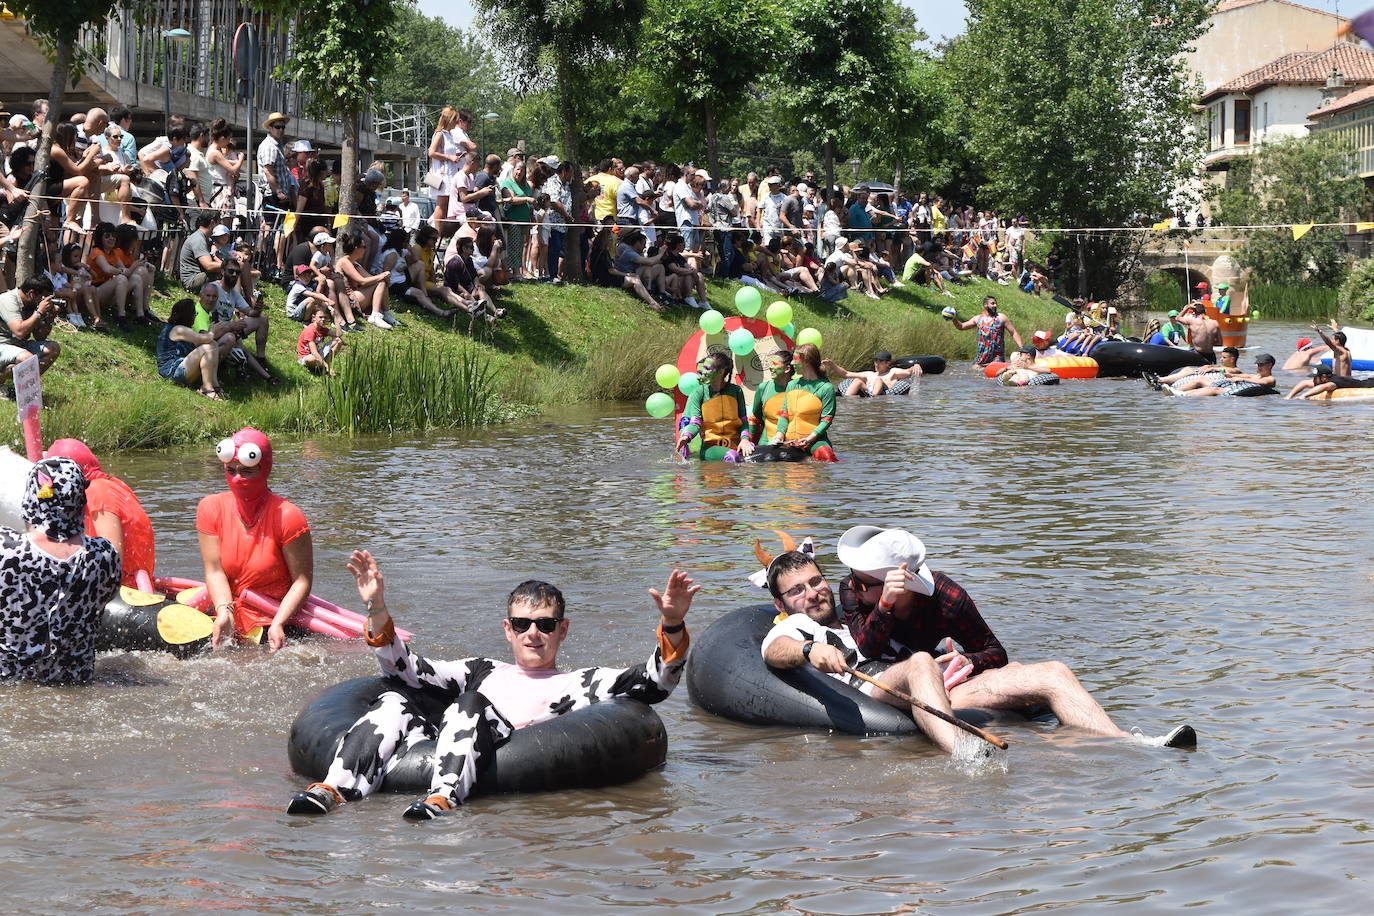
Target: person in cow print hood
column 54, row 580
column 483, row 699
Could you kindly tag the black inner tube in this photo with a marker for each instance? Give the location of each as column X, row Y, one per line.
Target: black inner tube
column 603, row 744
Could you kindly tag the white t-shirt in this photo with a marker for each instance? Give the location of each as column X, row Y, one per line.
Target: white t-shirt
column 410, row 216
column 772, row 209
column 801, row 628
column 686, row 216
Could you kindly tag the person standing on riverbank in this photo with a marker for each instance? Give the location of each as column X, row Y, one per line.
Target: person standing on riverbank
column 484, row 700
column 113, row 512
column 251, row 538
column 54, row 581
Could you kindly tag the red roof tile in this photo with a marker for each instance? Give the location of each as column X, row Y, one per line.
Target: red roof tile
column 1225, row 6
column 1353, row 100
column 1310, row 68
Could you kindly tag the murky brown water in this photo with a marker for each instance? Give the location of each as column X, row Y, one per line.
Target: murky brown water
column 1203, row 561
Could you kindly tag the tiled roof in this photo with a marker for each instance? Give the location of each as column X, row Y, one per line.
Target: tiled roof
column 1354, row 99
column 1355, row 62
column 1225, row 6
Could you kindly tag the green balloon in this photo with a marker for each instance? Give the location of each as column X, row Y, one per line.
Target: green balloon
column 779, row 314
column 659, row 404
column 711, row 321
column 667, row 375
column 1254, row 316
column 809, row 336
column 790, row 331
column 688, row 383
column 748, row 301
column 741, row 342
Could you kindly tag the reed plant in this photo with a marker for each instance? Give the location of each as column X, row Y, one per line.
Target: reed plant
column 1293, row 302
column 386, row 384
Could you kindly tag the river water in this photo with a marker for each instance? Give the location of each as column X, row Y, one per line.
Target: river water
column 1201, row 561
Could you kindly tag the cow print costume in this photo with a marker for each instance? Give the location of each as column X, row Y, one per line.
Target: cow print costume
column 50, row 608
column 470, row 707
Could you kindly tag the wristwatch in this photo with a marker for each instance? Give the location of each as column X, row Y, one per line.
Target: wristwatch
column 806, row 649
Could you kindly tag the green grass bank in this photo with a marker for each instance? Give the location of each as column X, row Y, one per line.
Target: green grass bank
column 556, row 345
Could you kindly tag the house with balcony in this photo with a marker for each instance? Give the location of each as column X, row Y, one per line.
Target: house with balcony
column 1242, row 35
column 1276, row 99
column 1352, row 118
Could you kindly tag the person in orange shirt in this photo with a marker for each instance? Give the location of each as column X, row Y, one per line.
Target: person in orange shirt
column 113, row 512
column 109, row 277
column 251, row 538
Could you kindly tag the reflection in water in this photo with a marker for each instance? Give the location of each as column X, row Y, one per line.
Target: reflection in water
column 1197, row 560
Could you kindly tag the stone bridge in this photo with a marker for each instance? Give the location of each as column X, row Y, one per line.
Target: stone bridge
column 1193, row 256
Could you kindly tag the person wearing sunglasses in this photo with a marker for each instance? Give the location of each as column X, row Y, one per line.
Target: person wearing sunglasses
column 811, row 634
column 251, row 538
column 483, row 699
column 895, row 606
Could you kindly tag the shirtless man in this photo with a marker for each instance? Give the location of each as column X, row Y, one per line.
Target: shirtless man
column 1021, row 370
column 1203, row 333
column 1190, row 377
column 894, row 607
column 484, row 700
column 1232, row 384
column 1341, row 362
column 883, row 379
column 1305, row 355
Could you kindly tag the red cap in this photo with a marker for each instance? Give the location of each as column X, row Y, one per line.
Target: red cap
column 1304, row 342
column 1202, row 285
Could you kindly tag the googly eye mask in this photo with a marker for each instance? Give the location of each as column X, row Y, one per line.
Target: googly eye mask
column 249, row 454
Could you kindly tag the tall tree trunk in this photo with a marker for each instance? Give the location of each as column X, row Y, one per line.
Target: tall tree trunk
column 896, row 180
column 829, row 167
column 33, row 224
column 712, row 141
column 572, row 251
column 1082, row 265
column 348, row 163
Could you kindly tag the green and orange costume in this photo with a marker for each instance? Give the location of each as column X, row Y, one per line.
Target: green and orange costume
column 763, row 418
column 808, row 407
column 719, row 417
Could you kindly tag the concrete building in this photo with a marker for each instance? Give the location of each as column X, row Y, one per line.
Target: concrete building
column 1352, row 117
column 1247, row 34
column 1274, row 100
column 130, row 62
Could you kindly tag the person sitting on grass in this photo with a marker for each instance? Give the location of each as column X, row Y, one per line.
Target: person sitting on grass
column 684, row 277
column 605, row 273
column 128, row 254
column 319, row 343
column 304, row 295
column 791, row 265
column 461, row 277
column 422, row 283
column 26, row 317
column 489, row 257
column 190, row 357
column 365, row 291
column 631, row 259
column 109, row 277
column 231, row 304
column 233, row 326
column 75, row 286
column 884, row 379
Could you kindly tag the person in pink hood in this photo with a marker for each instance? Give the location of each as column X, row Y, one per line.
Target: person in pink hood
column 113, row 512
column 251, row 538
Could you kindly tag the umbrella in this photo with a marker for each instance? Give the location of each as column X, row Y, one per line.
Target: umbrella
column 875, row 187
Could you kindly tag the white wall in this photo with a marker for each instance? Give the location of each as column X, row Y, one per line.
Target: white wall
column 1242, row 39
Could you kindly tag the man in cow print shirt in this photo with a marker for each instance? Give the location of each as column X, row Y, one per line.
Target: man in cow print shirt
column 483, row 700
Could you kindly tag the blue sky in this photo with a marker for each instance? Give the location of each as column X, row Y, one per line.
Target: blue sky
column 940, row 18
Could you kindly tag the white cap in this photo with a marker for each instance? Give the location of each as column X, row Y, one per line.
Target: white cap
column 773, row 179
column 302, row 146
column 219, row 230
column 323, row 238
column 840, row 242
column 876, row 551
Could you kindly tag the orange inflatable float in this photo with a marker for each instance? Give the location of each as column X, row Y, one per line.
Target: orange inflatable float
column 1065, row 367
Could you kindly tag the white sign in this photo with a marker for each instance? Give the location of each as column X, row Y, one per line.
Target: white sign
column 28, row 389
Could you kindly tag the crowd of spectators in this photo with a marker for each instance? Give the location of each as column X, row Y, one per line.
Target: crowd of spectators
column 116, row 213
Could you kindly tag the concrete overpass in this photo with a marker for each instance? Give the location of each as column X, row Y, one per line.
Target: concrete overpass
column 128, row 64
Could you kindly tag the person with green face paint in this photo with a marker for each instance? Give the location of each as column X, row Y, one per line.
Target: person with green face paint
column 769, row 398
column 715, row 411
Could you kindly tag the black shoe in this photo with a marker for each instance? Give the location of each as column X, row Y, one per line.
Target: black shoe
column 122, row 323
column 427, row 809
column 318, row 799
column 1183, row 736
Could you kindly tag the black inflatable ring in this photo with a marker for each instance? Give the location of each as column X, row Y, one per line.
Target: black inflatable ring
column 726, row 676
column 600, row 745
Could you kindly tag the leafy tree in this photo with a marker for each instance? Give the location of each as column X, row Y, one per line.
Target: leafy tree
column 705, row 56
column 1293, row 180
column 341, row 48
column 838, row 65
column 552, row 44
column 57, row 25
column 1079, row 114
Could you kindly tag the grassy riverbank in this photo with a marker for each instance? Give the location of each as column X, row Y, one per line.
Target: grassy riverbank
column 557, row 345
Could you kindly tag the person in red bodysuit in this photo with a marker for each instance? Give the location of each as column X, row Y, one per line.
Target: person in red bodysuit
column 252, row 538
column 113, row 512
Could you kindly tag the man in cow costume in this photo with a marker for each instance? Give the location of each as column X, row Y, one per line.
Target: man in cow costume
column 484, row 700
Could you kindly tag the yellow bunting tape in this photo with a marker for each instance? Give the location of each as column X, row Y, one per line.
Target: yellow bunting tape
column 178, row 625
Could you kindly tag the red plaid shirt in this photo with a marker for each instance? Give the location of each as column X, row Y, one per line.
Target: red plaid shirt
column 948, row 612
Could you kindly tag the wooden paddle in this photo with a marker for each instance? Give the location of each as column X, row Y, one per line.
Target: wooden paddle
column 937, row 713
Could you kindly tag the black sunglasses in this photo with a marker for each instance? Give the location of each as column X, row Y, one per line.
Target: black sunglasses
column 545, row 624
